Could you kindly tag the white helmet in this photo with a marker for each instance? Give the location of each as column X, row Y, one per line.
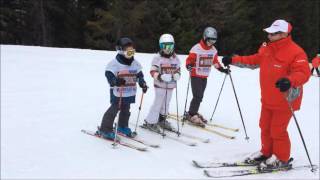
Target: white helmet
column 166, row 44
column 210, row 34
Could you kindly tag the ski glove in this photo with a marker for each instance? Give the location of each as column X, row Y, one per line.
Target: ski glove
column 176, row 76
column 120, row 82
column 165, row 77
column 224, row 70
column 283, row 84
column 226, row 60
column 144, row 87
column 189, row 67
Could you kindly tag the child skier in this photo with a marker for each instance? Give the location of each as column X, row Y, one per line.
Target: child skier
column 201, row 57
column 165, row 71
column 122, row 74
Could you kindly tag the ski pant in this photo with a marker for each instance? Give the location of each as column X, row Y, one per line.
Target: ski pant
column 198, row 86
column 274, row 135
column 111, row 113
column 317, row 69
column 160, row 104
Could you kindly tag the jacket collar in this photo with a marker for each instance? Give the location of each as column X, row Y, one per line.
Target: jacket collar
column 204, row 45
column 123, row 60
column 280, row 43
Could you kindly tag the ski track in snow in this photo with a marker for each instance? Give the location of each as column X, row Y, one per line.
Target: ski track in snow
column 49, row 94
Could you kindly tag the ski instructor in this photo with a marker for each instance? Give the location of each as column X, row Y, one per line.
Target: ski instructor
column 283, row 71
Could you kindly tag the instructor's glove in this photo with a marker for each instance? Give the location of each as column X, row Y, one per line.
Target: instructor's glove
column 226, row 60
column 224, row 70
column 283, row 84
column 120, row 82
column 189, row 67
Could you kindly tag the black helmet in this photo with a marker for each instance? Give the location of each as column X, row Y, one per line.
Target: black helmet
column 123, row 42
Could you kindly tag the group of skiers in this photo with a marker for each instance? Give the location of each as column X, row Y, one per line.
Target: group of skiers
column 283, row 71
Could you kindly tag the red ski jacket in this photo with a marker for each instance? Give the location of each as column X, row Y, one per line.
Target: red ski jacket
column 198, row 53
column 283, row 58
column 316, row 62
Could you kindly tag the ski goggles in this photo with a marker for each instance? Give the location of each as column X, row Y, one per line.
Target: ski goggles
column 211, row 40
column 275, row 33
column 167, row 47
column 128, row 53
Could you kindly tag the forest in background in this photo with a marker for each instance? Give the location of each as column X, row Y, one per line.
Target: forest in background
column 97, row 24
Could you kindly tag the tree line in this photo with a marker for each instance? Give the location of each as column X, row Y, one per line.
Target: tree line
column 97, row 24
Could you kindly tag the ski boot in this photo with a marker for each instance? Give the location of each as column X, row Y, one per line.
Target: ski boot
column 107, row 135
column 273, row 163
column 152, row 127
column 164, row 124
column 255, row 158
column 202, row 118
column 126, row 131
column 195, row 120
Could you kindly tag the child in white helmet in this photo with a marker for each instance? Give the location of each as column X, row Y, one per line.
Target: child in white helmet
column 165, row 70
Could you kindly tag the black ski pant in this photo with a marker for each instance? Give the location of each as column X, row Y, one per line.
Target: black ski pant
column 198, row 86
column 111, row 113
column 317, row 69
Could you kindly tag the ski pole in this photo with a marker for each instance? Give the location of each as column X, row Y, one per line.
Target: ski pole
column 178, row 132
column 135, row 129
column 235, row 94
column 300, row 133
column 215, row 107
column 185, row 104
column 119, row 108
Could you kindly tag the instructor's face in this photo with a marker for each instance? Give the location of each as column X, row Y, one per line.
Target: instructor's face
column 277, row 36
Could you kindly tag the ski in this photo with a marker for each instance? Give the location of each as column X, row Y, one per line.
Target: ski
column 208, row 124
column 246, row 172
column 188, row 143
column 139, row 141
column 190, row 136
column 209, row 164
column 91, row 133
column 208, row 130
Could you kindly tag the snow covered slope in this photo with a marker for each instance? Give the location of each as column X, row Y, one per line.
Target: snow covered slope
column 49, row 94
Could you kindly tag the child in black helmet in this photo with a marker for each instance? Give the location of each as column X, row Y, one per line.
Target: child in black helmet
column 122, row 73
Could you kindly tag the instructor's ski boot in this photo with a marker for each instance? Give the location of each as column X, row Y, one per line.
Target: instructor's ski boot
column 273, row 163
column 255, row 158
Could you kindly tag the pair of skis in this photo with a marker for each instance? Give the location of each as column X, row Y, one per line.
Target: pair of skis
column 252, row 169
column 174, row 137
column 174, row 117
column 125, row 144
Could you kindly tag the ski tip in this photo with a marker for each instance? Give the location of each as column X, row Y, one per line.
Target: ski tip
column 206, row 141
column 206, row 173
column 142, row 149
column 194, row 163
column 155, row 146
